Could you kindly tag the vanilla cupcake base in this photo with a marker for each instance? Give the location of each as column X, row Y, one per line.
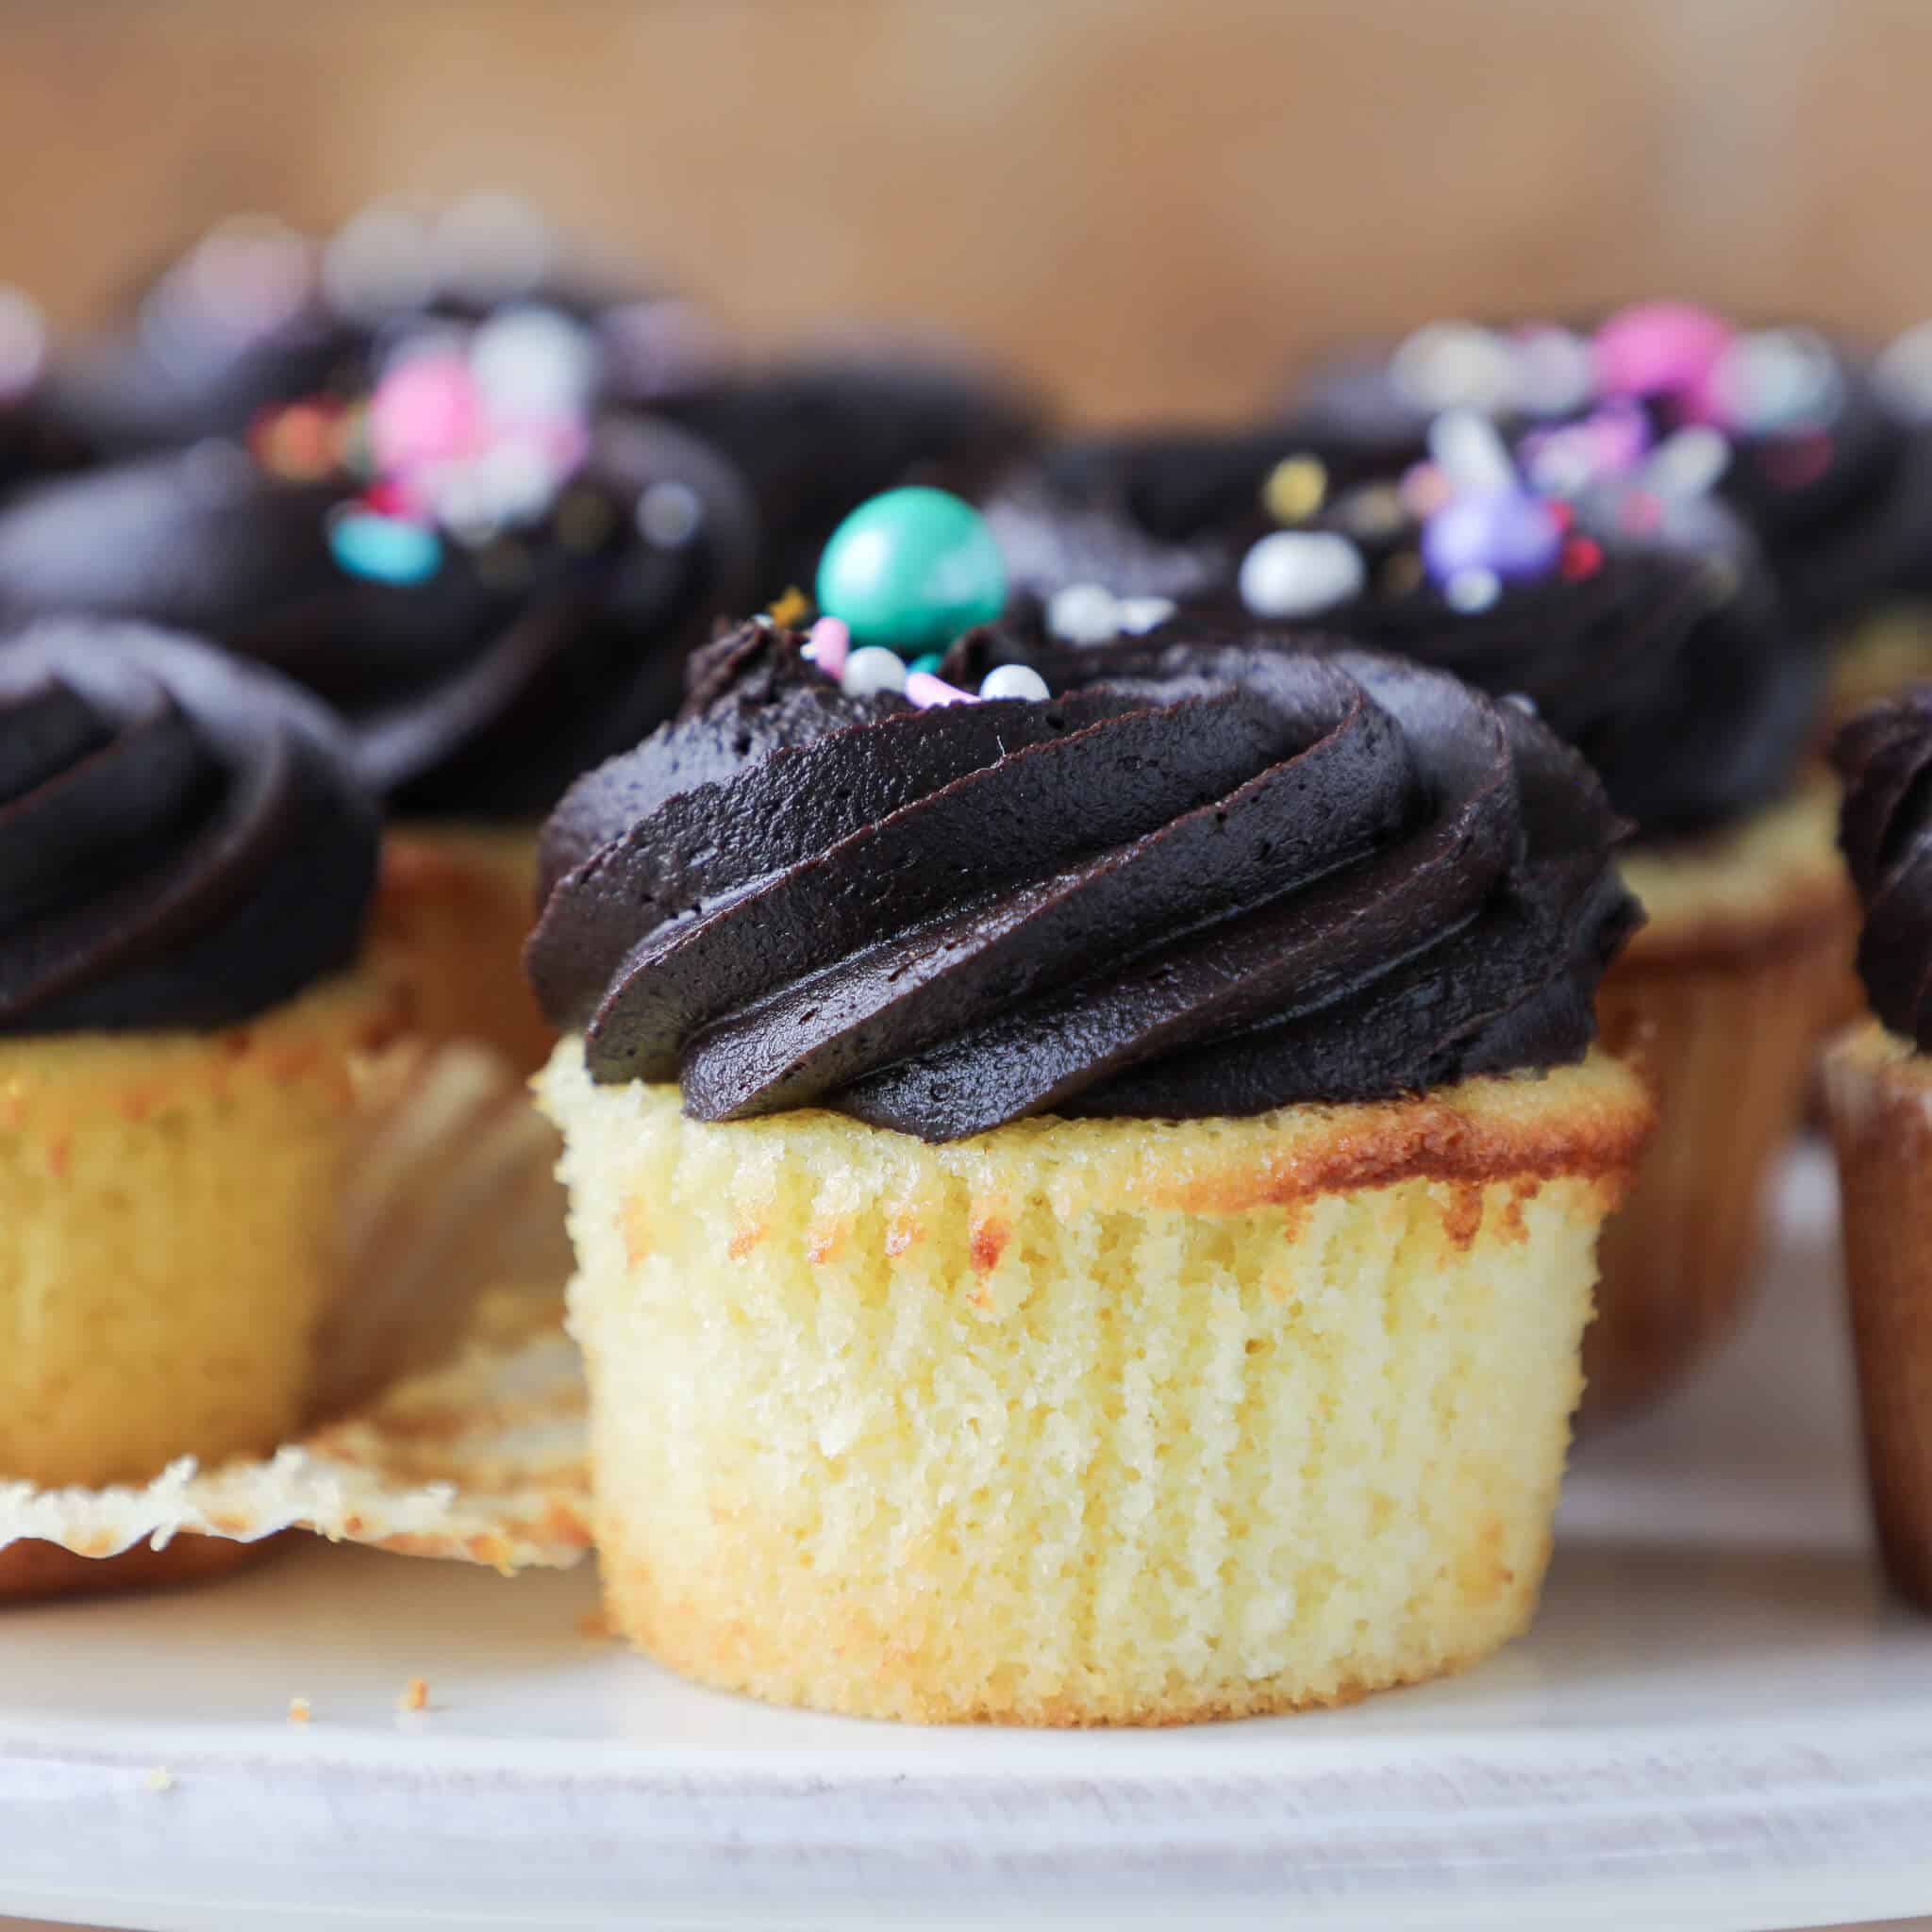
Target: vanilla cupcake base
column 1720, row 999
column 168, row 1239
column 1878, row 1095
column 1098, row 1421
column 453, row 908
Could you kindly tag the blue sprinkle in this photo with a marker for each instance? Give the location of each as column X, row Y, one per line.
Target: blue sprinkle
column 930, row 662
column 386, row 550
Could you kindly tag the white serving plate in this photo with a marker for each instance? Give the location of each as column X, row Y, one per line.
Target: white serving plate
column 1719, row 1723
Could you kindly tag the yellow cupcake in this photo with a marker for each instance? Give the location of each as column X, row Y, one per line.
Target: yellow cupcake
column 1095, row 1422
column 453, row 908
column 1722, row 997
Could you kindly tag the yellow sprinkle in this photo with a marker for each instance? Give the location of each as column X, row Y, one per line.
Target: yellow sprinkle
column 415, row 1695
column 299, row 1712
column 791, row 609
column 161, row 1779
column 1295, row 489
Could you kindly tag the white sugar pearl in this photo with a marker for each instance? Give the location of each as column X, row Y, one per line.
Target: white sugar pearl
column 1299, row 572
column 533, row 362
column 1775, row 379
column 1553, row 372
column 1686, row 464
column 1470, row 454
column 1904, row 374
column 1083, row 614
column 872, row 669
column 1470, row 590
column 1139, row 615
column 1013, row 681
column 669, row 514
column 1447, row 365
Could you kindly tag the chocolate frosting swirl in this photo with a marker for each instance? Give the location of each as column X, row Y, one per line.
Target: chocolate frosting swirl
column 1885, row 756
column 1214, row 879
column 182, row 838
column 481, row 692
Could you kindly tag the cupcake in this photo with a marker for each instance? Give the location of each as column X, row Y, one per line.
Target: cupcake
column 1637, row 616
column 1878, row 1089
column 497, row 591
column 187, row 862
column 1085, row 1206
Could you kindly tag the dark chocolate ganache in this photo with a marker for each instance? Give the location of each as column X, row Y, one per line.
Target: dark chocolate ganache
column 480, row 690
column 1884, row 755
column 183, row 842
column 1201, row 880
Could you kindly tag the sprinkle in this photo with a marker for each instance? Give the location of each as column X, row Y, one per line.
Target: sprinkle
column 1376, row 509
column 1658, row 348
column 1295, row 489
column 1687, row 463
column 1553, row 371
column 1469, row 453
column 299, row 1712
column 161, row 1779
column 386, row 550
column 1582, row 557
column 425, row 410
column 1641, row 512
column 926, row 691
column 1014, row 681
column 415, row 1694
column 871, row 671
column 1472, row 591
column 929, row 664
column 1561, row 514
column 1520, row 701
column 1301, row 573
column 1139, row 615
column 1510, row 533
column 1447, row 365
column 1424, row 491
column 1083, row 614
column 533, row 361
column 669, row 515
column 298, row 441
column 830, row 644
column 791, row 609
column 1775, row 379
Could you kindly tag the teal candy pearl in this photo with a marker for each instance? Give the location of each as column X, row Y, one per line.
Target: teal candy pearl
column 913, row 569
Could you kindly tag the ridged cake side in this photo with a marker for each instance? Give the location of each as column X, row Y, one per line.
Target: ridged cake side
column 1085, row 1422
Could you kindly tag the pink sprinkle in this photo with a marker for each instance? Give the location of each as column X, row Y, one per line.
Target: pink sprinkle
column 829, row 646
column 923, row 689
column 425, row 410
column 1660, row 348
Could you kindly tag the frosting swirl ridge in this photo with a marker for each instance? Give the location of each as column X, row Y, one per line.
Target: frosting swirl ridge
column 182, row 840
column 1205, row 878
column 1884, row 755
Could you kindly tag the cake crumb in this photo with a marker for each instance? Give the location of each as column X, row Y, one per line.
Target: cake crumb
column 299, row 1712
column 415, row 1695
column 161, row 1779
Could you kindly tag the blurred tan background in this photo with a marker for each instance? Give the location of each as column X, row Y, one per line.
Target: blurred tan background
column 1155, row 204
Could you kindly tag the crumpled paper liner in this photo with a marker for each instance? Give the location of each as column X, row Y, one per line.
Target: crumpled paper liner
column 481, row 1460
column 448, row 1409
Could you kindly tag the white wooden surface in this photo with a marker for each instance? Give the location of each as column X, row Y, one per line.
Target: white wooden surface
column 1719, row 1723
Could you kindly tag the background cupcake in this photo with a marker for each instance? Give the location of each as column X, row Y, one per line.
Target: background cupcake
column 189, row 861
column 1878, row 1086
column 1121, row 1296
column 494, row 585
column 1590, row 573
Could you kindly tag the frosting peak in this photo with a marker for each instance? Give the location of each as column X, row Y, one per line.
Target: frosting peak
column 1885, row 756
column 182, row 842
column 1209, row 878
